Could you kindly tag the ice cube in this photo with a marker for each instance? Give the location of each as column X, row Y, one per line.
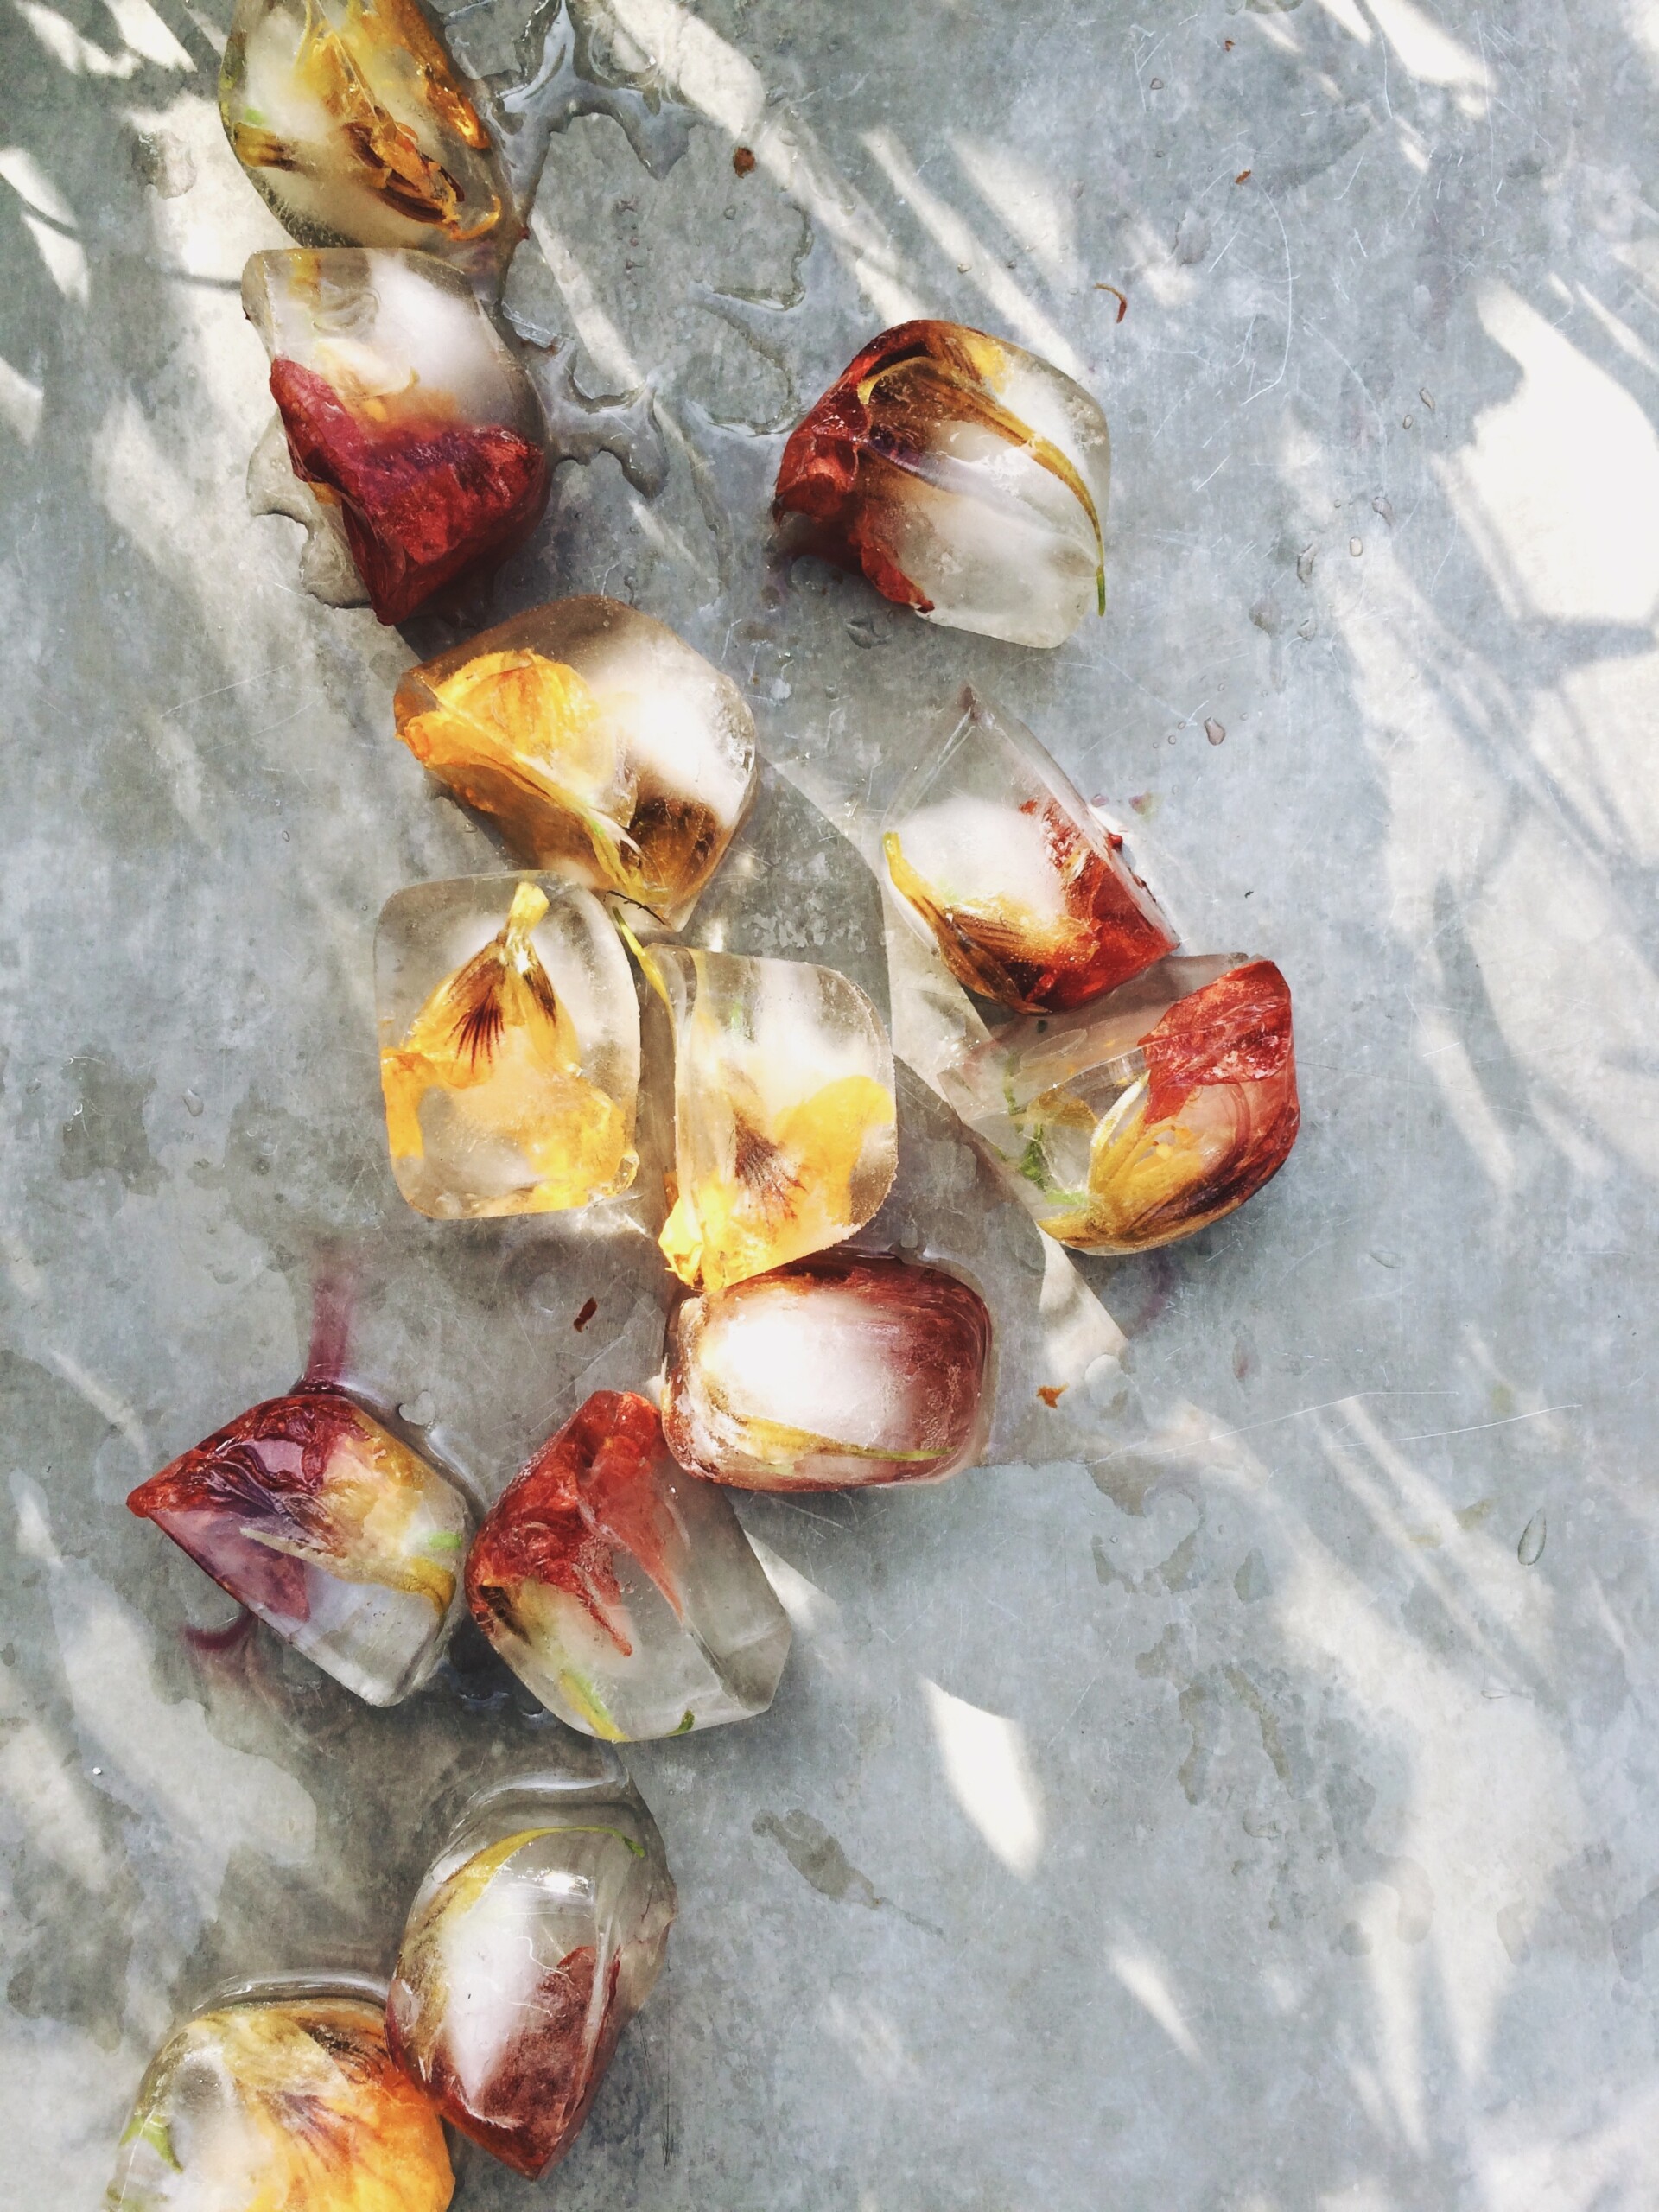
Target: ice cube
column 352, row 120
column 285, row 2097
column 336, row 1534
column 1136, row 1120
column 534, row 1939
column 608, row 751
column 785, row 1137
column 850, row 1368
column 402, row 403
column 622, row 1590
column 999, row 860
column 966, row 477
column 508, row 1046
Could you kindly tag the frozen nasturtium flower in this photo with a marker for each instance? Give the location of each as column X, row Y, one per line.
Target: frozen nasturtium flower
column 785, row 1124
column 405, row 412
column 608, row 749
column 965, row 476
column 1141, row 1118
column 510, row 1067
column 337, row 1535
column 844, row 1370
column 1000, row 861
column 622, row 1590
column 289, row 2102
column 536, row 1937
column 352, row 121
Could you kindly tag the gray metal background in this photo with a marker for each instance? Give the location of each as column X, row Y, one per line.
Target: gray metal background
column 1257, row 1816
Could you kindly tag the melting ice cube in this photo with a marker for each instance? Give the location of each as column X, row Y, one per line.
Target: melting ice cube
column 403, row 405
column 508, row 1046
column 1142, row 1117
column 848, row 1367
column 609, row 750
column 966, row 477
column 535, row 1937
column 997, row 858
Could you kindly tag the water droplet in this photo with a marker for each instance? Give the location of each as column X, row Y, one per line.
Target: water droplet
column 1531, row 1549
column 1355, row 546
column 420, row 1411
column 1426, row 401
column 1382, row 505
column 1215, row 732
column 1405, row 421
column 192, row 1105
column 1305, row 565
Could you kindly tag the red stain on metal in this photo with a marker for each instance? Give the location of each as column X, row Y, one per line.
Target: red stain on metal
column 589, row 1307
column 1122, row 303
column 1052, row 1393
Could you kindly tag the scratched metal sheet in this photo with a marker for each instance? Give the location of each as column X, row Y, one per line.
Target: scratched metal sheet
column 1240, row 1797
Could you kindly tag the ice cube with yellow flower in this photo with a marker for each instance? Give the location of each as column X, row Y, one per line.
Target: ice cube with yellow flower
column 508, row 1046
column 353, row 123
column 604, row 747
column 785, row 1123
column 282, row 2099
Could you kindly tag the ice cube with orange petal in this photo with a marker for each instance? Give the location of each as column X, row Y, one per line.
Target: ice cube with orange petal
column 535, row 1937
column 965, row 477
column 1141, row 1118
column 622, row 1590
column 508, row 1046
column 334, row 1532
column 785, row 1137
column 284, row 2097
column 352, row 121
column 998, row 858
column 404, row 411
column 608, row 751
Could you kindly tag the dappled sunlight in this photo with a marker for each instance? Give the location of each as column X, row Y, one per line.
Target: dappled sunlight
column 1147, row 1982
column 1560, row 484
column 1430, row 53
column 989, row 1776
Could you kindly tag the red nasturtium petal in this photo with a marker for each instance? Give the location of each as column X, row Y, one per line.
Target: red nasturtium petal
column 590, row 1491
column 266, row 1472
column 422, row 499
column 1235, row 1030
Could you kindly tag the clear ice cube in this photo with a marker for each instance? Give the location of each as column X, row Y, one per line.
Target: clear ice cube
column 622, row 1590
column 965, row 476
column 608, row 749
column 846, row 1368
column 534, row 1939
column 508, row 1046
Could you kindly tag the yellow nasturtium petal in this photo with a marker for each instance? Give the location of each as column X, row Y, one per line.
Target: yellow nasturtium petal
column 790, row 1192
column 497, row 1039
